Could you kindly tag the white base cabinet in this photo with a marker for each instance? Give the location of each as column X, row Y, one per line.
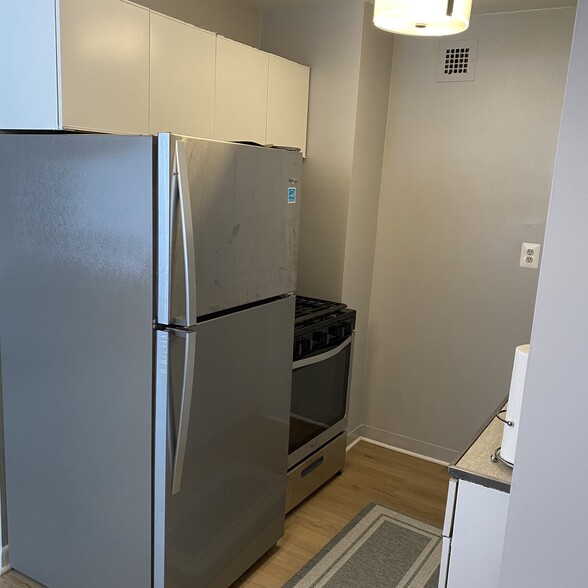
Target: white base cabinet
column 473, row 536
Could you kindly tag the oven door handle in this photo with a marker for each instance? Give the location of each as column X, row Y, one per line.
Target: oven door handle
column 323, row 356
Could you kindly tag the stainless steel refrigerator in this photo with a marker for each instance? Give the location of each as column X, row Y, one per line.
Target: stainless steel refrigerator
column 146, row 325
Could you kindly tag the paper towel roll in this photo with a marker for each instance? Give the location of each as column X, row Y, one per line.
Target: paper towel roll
column 515, row 399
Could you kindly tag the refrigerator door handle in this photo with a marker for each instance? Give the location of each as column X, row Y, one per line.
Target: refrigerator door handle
column 162, row 450
column 181, row 170
column 187, row 386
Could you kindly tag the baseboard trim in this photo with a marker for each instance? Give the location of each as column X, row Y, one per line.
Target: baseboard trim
column 353, row 437
column 404, row 451
column 4, row 565
column 354, row 443
column 414, row 447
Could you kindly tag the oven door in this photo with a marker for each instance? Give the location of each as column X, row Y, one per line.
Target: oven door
column 320, row 399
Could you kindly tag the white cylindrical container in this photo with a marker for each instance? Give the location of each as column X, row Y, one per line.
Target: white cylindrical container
column 515, row 399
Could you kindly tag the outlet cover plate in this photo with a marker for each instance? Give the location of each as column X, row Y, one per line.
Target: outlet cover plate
column 530, row 255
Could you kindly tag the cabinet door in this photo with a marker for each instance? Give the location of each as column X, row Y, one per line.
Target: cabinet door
column 478, row 536
column 241, row 92
column 28, row 70
column 182, row 78
column 287, row 104
column 104, row 65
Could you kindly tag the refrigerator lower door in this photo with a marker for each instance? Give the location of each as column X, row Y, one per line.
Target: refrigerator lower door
column 222, row 413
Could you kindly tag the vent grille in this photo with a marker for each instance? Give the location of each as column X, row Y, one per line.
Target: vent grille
column 457, row 61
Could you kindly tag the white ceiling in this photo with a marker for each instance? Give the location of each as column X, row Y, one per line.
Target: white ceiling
column 479, row 6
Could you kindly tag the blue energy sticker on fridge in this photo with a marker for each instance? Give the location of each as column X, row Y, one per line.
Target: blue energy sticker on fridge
column 291, row 195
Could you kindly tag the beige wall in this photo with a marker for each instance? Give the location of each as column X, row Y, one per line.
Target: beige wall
column 364, row 194
column 327, row 37
column 230, row 18
column 350, row 64
column 467, row 174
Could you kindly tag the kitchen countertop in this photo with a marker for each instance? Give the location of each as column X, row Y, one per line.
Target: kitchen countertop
column 475, row 465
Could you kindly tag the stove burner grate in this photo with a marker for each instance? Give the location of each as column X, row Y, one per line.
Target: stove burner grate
column 309, row 310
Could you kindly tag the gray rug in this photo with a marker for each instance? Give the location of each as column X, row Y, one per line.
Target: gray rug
column 379, row 548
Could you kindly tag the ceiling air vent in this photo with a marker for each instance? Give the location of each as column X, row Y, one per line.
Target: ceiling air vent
column 457, row 61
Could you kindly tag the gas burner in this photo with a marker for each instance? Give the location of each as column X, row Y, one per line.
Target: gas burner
column 311, row 310
column 320, row 324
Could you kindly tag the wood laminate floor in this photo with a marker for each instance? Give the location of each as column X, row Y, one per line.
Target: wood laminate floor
column 404, row 483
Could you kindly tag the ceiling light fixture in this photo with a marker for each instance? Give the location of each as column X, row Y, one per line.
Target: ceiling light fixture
column 425, row 18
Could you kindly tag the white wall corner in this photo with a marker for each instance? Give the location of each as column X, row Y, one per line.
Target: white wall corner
column 4, row 565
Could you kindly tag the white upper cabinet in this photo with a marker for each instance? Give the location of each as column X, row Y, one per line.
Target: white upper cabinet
column 116, row 67
column 287, row 103
column 74, row 64
column 104, row 65
column 182, row 78
column 241, row 92
column 28, row 68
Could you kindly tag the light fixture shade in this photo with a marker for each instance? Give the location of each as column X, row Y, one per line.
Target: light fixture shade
column 425, row 18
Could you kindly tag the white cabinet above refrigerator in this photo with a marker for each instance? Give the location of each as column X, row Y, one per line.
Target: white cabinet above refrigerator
column 74, row 64
column 116, row 67
column 241, row 92
column 182, row 65
column 287, row 103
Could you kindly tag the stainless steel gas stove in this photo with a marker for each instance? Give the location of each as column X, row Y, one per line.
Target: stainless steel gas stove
column 321, row 376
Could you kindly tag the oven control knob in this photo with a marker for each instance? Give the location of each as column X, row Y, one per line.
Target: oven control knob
column 337, row 331
column 319, row 337
column 305, row 345
column 299, row 346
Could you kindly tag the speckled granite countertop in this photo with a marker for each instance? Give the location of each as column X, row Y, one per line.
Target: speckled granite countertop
column 475, row 464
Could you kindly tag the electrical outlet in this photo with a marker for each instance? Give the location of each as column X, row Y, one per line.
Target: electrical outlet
column 530, row 255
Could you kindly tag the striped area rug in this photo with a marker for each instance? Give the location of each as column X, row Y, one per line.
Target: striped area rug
column 379, row 548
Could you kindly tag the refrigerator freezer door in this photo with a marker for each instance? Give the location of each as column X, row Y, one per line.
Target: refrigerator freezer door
column 244, row 202
column 228, row 507
column 76, row 337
